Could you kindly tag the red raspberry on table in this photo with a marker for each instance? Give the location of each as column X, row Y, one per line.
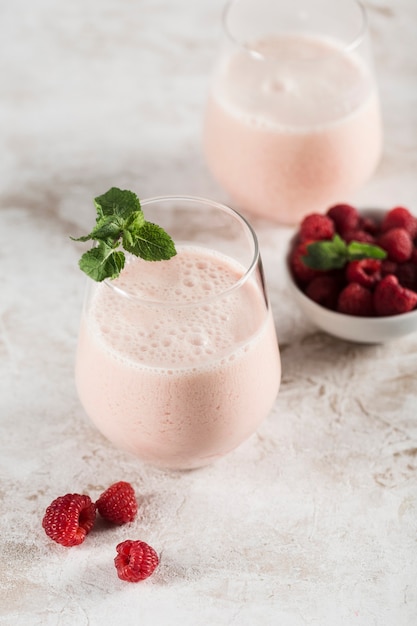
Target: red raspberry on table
column 355, row 299
column 118, row 503
column 366, row 272
column 135, row 560
column 400, row 217
column 344, row 216
column 392, row 299
column 324, row 290
column 397, row 243
column 68, row 519
column 302, row 274
column 316, row 227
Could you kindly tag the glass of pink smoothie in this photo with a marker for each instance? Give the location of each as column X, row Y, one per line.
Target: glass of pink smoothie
column 293, row 123
column 178, row 360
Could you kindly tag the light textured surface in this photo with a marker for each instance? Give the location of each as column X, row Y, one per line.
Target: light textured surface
column 313, row 521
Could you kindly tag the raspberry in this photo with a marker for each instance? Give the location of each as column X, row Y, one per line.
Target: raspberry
column 388, row 267
column 344, row 216
column 358, row 235
column 397, row 243
column 392, row 299
column 366, row 272
column 68, row 519
column 118, row 503
column 135, row 560
column 316, row 227
column 355, row 299
column 324, row 290
column 301, row 272
column 368, row 225
column 399, row 217
column 407, row 275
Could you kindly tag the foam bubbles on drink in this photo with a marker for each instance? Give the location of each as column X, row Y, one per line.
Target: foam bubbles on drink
column 158, row 326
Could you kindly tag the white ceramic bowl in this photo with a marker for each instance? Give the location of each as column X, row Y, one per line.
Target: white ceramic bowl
column 350, row 327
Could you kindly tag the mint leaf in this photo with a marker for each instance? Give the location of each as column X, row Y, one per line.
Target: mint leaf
column 335, row 253
column 152, row 243
column 134, row 222
column 102, row 262
column 358, row 250
column 107, row 228
column 326, row 255
column 117, row 201
column 120, row 222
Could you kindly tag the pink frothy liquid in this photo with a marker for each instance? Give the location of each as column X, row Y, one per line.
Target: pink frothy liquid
column 183, row 379
column 292, row 127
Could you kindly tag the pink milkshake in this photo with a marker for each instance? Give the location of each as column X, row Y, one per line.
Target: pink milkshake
column 292, row 124
column 177, row 360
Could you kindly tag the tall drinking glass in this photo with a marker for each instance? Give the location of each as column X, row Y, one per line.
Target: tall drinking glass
column 293, row 124
column 178, row 360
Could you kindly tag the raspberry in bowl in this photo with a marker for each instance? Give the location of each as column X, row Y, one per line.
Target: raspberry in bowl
column 353, row 272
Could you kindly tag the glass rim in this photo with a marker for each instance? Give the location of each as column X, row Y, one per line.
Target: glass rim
column 249, row 269
column 348, row 47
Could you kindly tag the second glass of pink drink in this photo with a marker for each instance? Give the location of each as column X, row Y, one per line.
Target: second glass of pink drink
column 178, row 360
column 293, row 121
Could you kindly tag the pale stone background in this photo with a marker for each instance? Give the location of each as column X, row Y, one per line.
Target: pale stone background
column 313, row 521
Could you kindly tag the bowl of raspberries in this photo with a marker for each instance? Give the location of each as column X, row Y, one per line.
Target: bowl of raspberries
column 353, row 272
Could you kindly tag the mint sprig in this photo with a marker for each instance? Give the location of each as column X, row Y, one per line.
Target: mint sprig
column 120, row 223
column 335, row 253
